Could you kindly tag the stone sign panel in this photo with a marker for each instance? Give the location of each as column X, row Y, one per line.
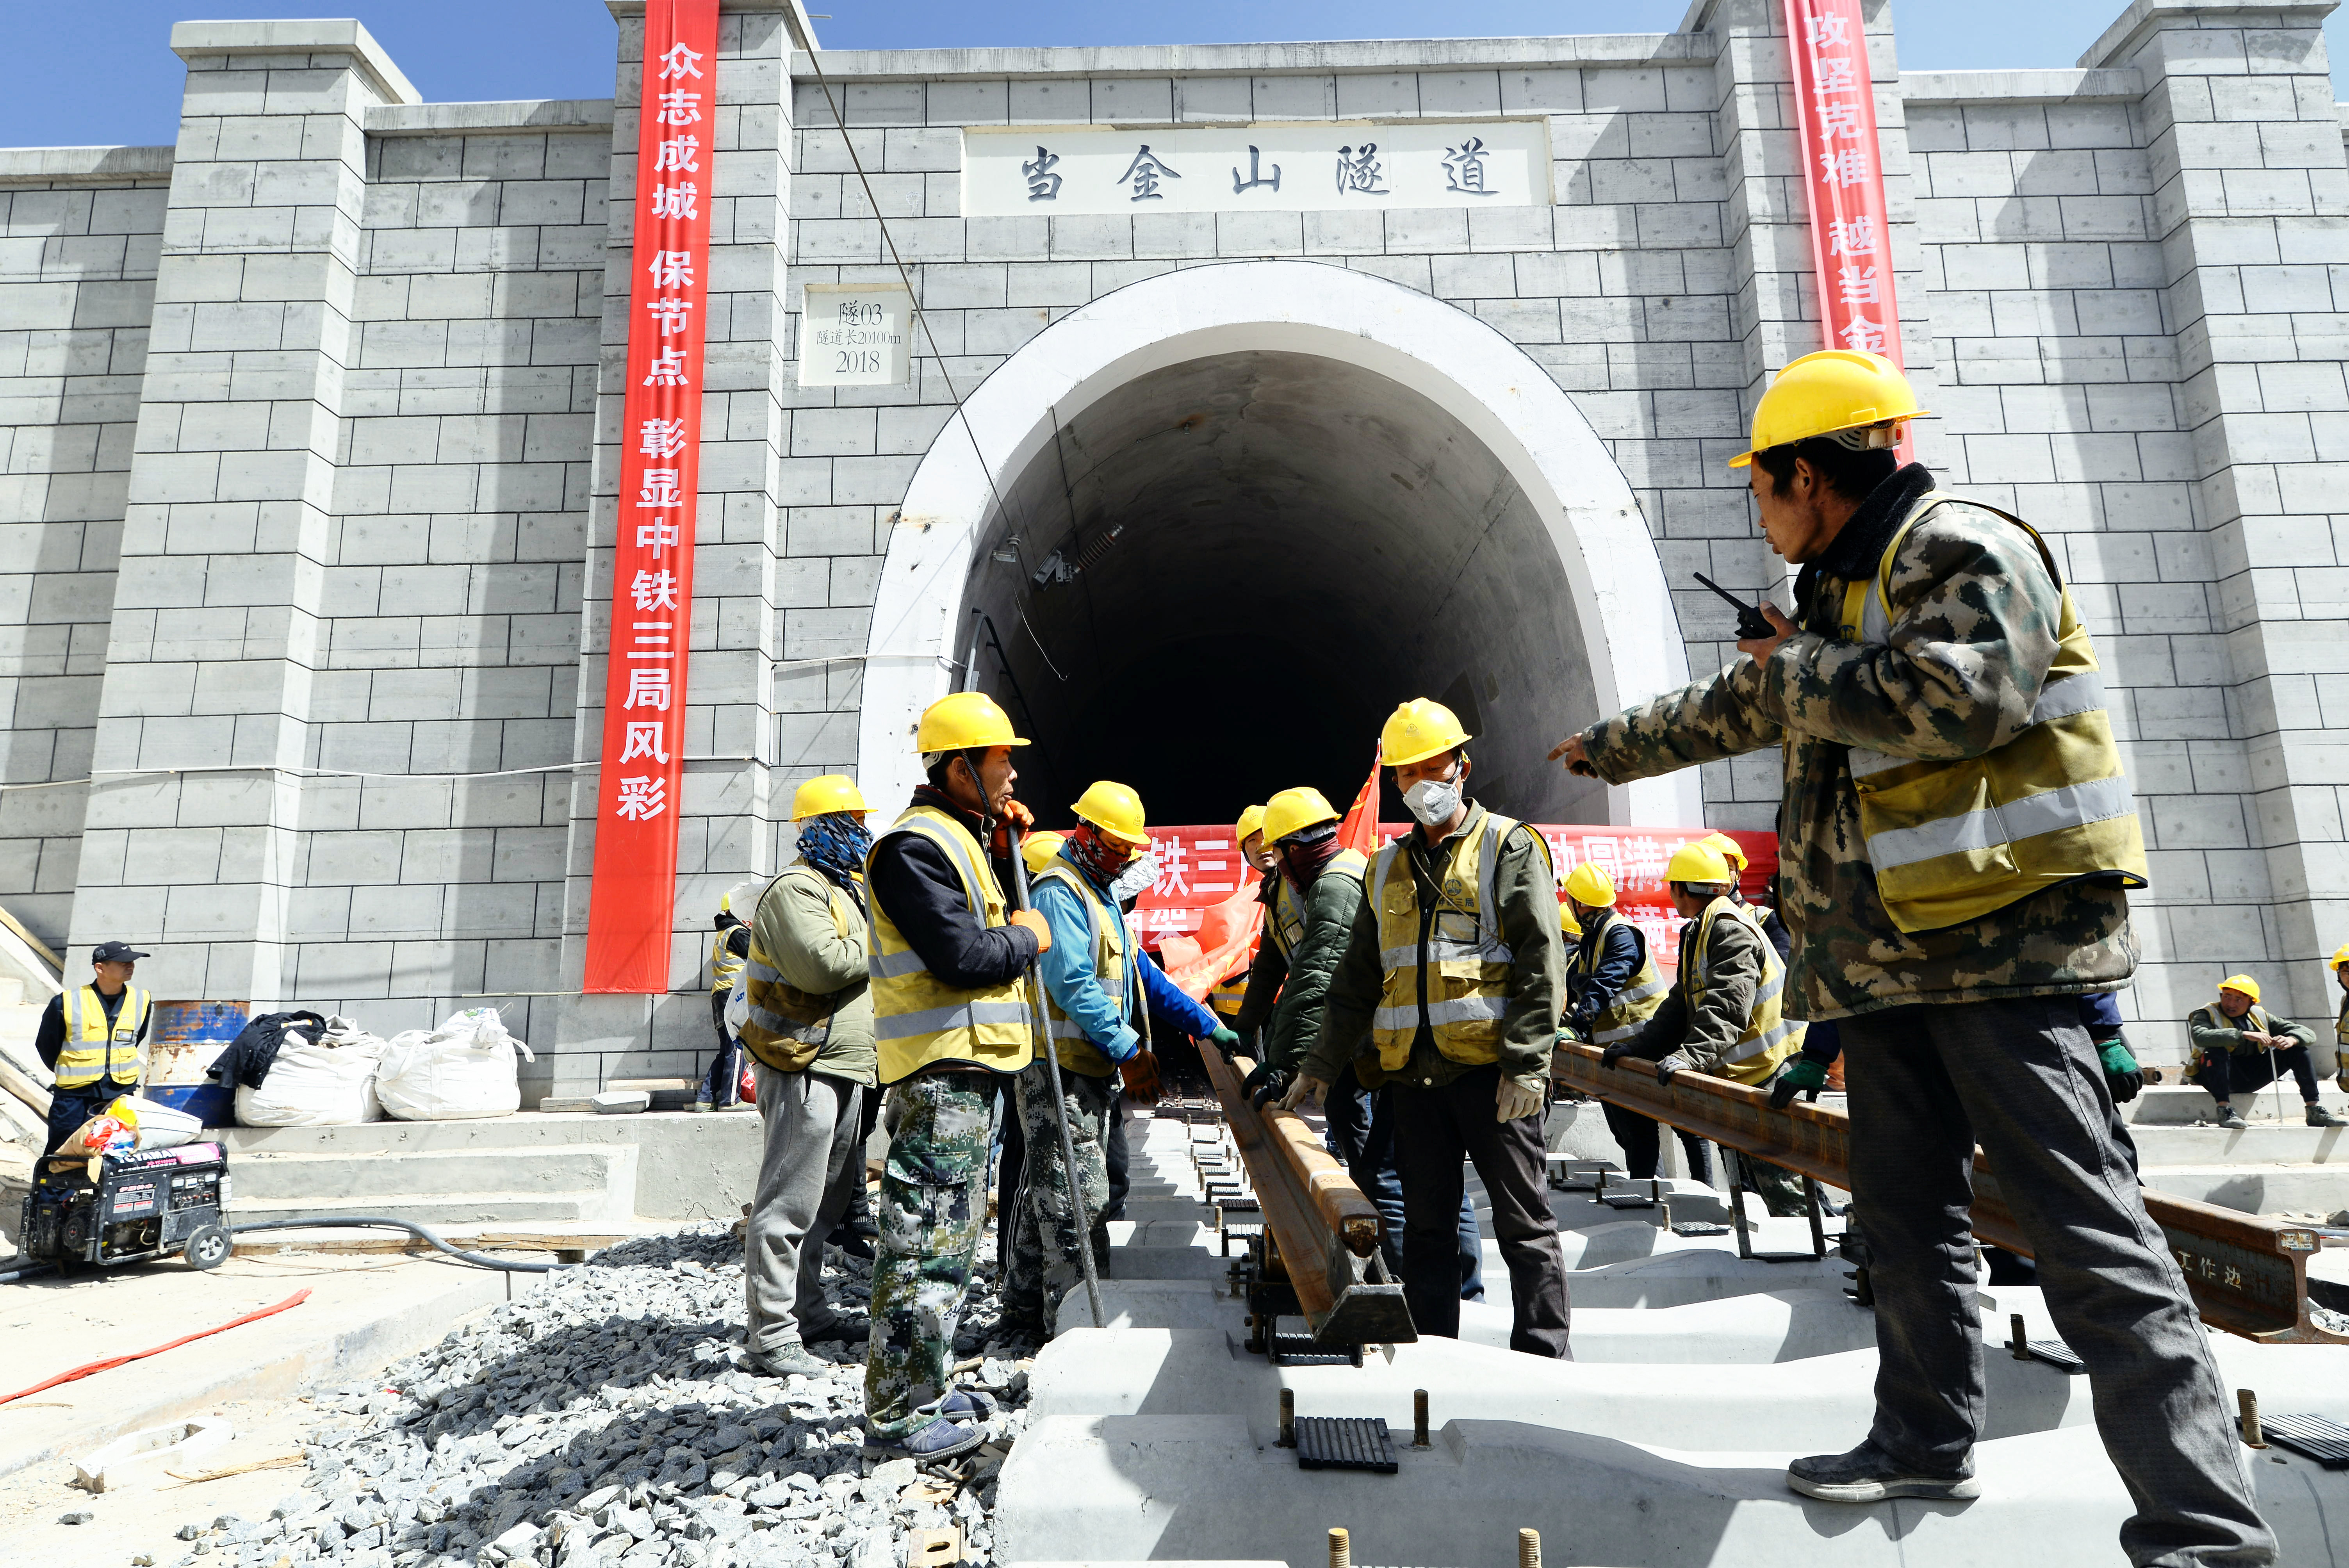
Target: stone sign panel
column 856, row 335
column 1236, row 169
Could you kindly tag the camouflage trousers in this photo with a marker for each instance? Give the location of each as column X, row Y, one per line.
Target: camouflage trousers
column 931, row 1213
column 1045, row 1265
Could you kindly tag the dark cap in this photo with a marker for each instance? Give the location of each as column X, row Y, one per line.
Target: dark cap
column 115, row 953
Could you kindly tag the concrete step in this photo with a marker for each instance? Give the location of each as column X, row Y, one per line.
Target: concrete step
column 438, row 1210
column 345, row 1179
column 2183, row 1104
column 2294, row 1143
column 2258, row 1189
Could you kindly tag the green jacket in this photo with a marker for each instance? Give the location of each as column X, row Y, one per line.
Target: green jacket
column 1974, row 627
column 794, row 927
column 1713, row 1031
column 2212, row 1030
column 1330, row 907
column 1526, row 889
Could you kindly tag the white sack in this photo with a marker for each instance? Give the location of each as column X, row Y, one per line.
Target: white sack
column 463, row 1069
column 325, row 1082
column 162, row 1126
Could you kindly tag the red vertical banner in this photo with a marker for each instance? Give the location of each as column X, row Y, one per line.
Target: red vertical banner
column 633, row 889
column 1835, row 112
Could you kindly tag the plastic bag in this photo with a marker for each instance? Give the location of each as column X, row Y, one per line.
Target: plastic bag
column 325, row 1082
column 462, row 1070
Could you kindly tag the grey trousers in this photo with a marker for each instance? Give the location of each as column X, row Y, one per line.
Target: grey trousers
column 810, row 1165
column 2021, row 1079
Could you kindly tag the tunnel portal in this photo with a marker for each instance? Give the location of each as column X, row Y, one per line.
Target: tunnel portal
column 1248, row 560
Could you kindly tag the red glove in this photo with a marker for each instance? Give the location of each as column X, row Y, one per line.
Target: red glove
column 998, row 843
column 1140, row 1072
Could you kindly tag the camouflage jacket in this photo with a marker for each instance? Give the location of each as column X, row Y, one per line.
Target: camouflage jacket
column 1974, row 626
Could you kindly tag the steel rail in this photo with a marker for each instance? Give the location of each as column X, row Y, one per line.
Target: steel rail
column 1321, row 1227
column 2248, row 1275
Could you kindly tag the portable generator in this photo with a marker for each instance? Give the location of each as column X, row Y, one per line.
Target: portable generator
column 142, row 1205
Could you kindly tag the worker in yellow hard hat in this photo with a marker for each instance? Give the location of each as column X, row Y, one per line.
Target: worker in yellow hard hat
column 1613, row 987
column 1455, row 968
column 730, row 947
column 1722, row 1016
column 1957, row 842
column 2240, row 1044
column 953, row 1024
column 1097, row 983
column 805, row 1016
column 2339, row 965
column 1247, row 837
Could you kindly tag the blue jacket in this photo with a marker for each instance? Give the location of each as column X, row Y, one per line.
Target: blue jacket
column 1076, row 989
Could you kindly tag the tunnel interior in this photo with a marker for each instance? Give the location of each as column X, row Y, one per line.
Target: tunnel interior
column 1265, row 552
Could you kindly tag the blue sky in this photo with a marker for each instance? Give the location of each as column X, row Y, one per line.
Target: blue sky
column 92, row 72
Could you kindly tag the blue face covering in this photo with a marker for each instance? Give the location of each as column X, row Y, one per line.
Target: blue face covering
column 836, row 844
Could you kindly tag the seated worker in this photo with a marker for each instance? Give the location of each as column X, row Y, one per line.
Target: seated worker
column 2240, row 1044
column 89, row 1037
column 1722, row 1015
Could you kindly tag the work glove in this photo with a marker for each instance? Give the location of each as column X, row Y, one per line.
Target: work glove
column 1140, row 1072
column 1225, row 1042
column 1801, row 1075
column 1675, row 1063
column 1276, row 1086
column 1614, row 1053
column 1036, row 923
column 1513, row 1100
column 2121, row 1071
column 1265, row 1076
column 1303, row 1092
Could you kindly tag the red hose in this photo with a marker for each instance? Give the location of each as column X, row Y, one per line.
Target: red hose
column 296, row 1299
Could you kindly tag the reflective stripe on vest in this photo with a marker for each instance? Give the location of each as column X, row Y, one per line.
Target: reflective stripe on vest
column 1465, row 1005
column 1286, row 921
column 93, row 1049
column 724, row 962
column 1951, row 840
column 1770, row 1038
column 2341, row 1030
column 918, row 1018
column 1111, row 968
column 1641, row 995
column 786, row 1027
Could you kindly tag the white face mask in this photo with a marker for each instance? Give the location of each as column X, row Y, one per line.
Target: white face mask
column 1136, row 880
column 1433, row 801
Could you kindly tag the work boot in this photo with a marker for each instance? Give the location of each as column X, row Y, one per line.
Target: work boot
column 967, row 1405
column 791, row 1359
column 843, row 1328
column 2226, row 1117
column 854, row 1237
column 943, row 1439
column 2319, row 1117
column 1868, row 1474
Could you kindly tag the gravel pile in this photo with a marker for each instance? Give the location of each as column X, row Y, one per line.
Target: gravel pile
column 610, row 1417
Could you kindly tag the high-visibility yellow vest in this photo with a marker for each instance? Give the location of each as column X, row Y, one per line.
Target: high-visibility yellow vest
column 1770, row 1038
column 725, row 965
column 1286, row 924
column 1112, row 966
column 787, row 1026
column 93, row 1050
column 918, row 1018
column 1229, row 991
column 2256, row 1020
column 2341, row 1033
column 1469, row 961
column 1641, row 995
column 1953, row 841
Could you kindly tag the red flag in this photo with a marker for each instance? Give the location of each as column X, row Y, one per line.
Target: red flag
column 1226, row 944
column 1360, row 830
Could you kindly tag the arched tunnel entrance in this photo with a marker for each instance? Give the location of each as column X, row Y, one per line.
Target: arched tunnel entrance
column 1221, row 520
column 1265, row 552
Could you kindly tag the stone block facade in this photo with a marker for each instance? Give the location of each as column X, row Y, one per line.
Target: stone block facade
column 311, row 428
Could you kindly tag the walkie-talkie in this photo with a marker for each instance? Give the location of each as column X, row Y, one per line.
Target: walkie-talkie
column 1750, row 622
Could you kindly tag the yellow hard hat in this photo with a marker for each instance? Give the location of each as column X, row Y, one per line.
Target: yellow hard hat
column 1730, row 848
column 1567, row 923
column 2339, row 956
column 1590, row 885
column 1834, row 389
column 1698, row 862
column 1251, row 822
column 1418, row 730
column 2243, row 983
column 826, row 793
column 1114, row 809
column 1294, row 810
column 963, row 720
column 1038, row 849
column 726, row 903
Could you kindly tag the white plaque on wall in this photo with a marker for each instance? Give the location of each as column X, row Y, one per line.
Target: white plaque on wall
column 856, row 335
column 1319, row 166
